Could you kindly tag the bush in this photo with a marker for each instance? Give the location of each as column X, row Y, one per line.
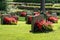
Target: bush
column 23, row 14
column 29, row 19
column 9, row 20
column 16, row 17
column 53, row 19
column 44, row 25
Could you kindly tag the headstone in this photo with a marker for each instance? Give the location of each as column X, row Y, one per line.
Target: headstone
column 34, row 19
column 54, row 14
column 28, row 13
column 42, row 16
column 27, row 21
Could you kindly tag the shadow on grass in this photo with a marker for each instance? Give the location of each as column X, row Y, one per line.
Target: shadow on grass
column 38, row 32
column 8, row 24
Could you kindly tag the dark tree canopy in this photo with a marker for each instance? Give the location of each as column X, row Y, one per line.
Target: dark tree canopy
column 2, row 5
column 38, row 1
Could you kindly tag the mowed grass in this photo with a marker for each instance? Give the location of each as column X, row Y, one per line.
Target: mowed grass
column 21, row 31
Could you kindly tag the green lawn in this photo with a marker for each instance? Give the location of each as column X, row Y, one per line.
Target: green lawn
column 22, row 32
column 21, row 18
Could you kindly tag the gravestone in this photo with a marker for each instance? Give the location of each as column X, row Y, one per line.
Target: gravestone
column 28, row 13
column 54, row 14
column 34, row 19
column 27, row 19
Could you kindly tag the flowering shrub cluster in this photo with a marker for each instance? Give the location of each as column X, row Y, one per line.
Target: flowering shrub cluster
column 16, row 17
column 23, row 13
column 53, row 19
column 44, row 25
column 30, row 19
column 10, row 20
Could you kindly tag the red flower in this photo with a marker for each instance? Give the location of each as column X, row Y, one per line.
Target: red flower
column 40, row 24
column 36, row 13
column 53, row 19
column 23, row 13
column 30, row 18
column 10, row 20
column 13, row 20
column 43, row 24
column 7, row 19
column 48, row 23
column 15, row 17
column 43, row 21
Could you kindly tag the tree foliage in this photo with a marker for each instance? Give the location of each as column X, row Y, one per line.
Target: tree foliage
column 38, row 1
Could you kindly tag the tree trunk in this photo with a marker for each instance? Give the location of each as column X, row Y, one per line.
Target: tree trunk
column 43, row 6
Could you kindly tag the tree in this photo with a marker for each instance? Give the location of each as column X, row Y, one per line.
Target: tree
column 2, row 5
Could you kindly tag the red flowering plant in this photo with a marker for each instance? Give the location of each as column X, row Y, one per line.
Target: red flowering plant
column 13, row 20
column 44, row 25
column 23, row 13
column 48, row 25
column 53, row 19
column 16, row 17
column 10, row 20
column 36, row 13
column 29, row 19
column 7, row 20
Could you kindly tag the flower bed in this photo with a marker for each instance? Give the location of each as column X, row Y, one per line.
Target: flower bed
column 23, row 13
column 43, row 25
column 8, row 19
column 53, row 19
column 16, row 17
column 29, row 19
column 39, row 24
